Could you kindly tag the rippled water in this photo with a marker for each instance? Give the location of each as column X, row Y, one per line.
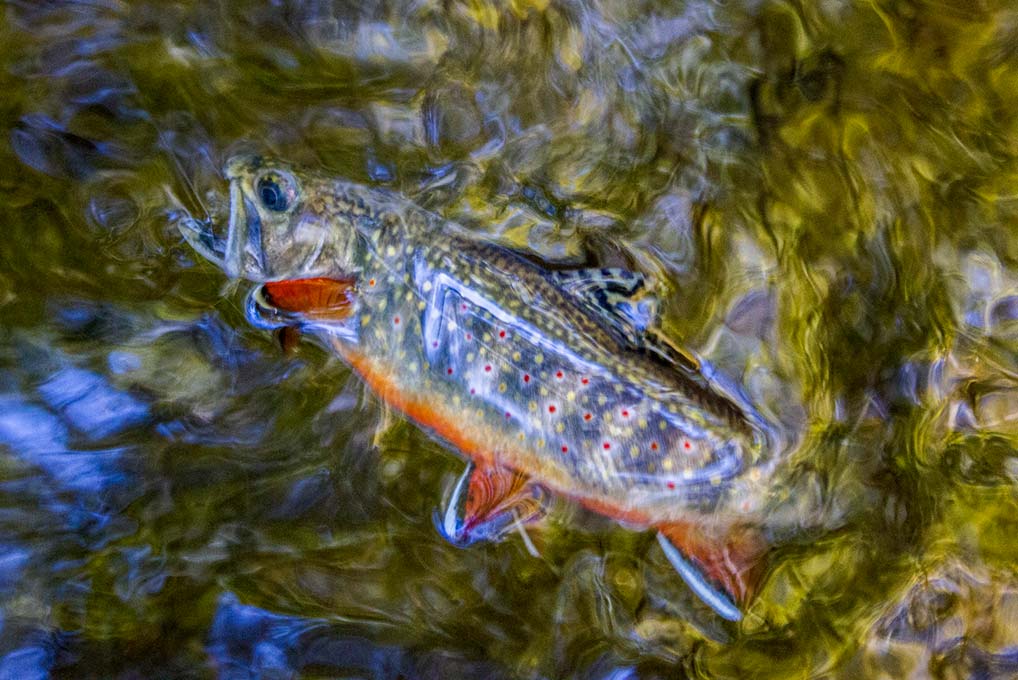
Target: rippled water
column 826, row 191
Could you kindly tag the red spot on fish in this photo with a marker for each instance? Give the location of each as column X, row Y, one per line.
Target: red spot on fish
column 472, row 390
column 508, row 415
column 526, row 377
column 653, row 446
column 584, row 381
column 449, row 370
column 501, row 334
column 551, row 409
column 559, row 375
column 469, row 336
column 625, row 414
column 671, row 485
column 396, row 320
column 487, row 369
column 464, row 307
column 687, row 444
column 607, row 446
column 587, row 416
column 371, row 282
column 565, row 449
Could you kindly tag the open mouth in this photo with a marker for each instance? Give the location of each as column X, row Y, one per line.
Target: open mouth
column 239, row 252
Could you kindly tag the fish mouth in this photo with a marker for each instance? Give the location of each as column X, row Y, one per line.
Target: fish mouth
column 239, row 252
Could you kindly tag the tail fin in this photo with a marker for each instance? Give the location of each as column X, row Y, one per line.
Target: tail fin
column 723, row 568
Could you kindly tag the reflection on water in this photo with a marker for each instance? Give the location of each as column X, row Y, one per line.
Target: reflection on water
column 825, row 193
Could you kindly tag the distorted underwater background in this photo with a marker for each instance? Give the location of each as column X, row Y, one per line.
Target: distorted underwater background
column 826, row 191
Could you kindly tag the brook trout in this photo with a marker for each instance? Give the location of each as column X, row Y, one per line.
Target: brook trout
column 546, row 381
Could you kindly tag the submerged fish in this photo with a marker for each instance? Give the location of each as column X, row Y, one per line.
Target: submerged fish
column 547, row 381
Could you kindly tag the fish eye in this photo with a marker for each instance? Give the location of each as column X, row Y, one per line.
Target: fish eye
column 276, row 191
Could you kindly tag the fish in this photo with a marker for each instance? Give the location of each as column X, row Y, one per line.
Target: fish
column 549, row 382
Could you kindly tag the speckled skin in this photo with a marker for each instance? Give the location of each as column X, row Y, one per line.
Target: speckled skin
column 480, row 346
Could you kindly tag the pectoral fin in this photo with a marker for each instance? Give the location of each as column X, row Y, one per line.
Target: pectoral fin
column 487, row 503
column 721, row 568
column 315, row 298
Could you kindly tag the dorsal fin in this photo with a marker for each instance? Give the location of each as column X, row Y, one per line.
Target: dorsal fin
column 617, row 296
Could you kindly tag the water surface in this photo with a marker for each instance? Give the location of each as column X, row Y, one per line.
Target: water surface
column 824, row 191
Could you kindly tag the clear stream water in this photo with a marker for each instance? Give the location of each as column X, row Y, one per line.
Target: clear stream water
column 826, row 192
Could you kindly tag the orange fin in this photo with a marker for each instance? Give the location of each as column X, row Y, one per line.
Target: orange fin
column 487, row 503
column 723, row 568
column 288, row 338
column 316, row 298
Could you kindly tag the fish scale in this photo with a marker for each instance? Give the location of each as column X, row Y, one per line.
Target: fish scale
column 543, row 379
column 441, row 313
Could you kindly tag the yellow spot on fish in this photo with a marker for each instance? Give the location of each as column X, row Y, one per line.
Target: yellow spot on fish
column 390, row 251
column 520, row 436
column 560, row 427
column 634, row 452
column 470, row 357
column 456, row 399
column 486, row 337
column 543, row 391
column 662, row 425
column 427, row 286
column 365, row 319
column 602, row 400
column 570, row 396
column 687, row 474
column 502, row 387
column 642, row 422
column 607, row 417
column 451, row 326
column 667, row 464
column 532, row 406
column 480, row 413
column 539, row 358
column 382, row 305
column 516, row 356
column 422, row 305
column 540, row 443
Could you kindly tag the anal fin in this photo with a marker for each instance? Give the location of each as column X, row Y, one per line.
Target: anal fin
column 489, row 502
column 722, row 567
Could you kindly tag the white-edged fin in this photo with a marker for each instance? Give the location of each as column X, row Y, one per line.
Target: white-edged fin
column 451, row 523
column 487, row 503
column 698, row 583
column 617, row 295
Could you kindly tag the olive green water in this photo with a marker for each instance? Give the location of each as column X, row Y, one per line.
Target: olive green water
column 825, row 191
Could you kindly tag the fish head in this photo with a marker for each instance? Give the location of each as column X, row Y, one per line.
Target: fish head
column 282, row 224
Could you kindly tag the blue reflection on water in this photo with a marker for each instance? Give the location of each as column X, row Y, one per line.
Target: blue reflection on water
column 90, row 404
column 27, row 663
column 39, row 438
column 249, row 642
